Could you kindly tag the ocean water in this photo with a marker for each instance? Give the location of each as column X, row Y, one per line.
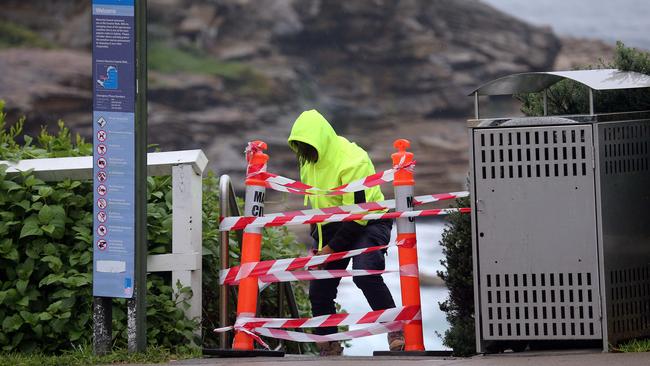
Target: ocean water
column 351, row 298
column 608, row 20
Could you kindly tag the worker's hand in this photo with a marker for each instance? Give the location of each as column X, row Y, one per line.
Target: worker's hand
column 325, row 250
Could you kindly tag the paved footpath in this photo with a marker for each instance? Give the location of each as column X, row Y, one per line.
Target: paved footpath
column 546, row 358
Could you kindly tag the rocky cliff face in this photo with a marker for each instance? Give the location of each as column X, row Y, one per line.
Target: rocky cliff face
column 377, row 69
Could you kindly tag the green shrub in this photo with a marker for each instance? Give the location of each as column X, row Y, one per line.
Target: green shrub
column 46, row 255
column 456, row 245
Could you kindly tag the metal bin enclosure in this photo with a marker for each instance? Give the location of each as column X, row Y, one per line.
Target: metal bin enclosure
column 561, row 228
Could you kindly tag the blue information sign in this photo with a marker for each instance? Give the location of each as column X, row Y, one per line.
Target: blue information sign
column 114, row 147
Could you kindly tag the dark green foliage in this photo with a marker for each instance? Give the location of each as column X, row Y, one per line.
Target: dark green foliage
column 558, row 103
column 631, row 59
column 568, row 97
column 46, row 256
column 457, row 248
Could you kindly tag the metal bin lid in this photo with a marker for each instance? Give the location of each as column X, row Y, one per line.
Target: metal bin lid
column 532, row 82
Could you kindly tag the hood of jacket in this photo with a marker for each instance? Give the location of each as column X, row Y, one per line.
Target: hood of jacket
column 313, row 129
column 339, row 161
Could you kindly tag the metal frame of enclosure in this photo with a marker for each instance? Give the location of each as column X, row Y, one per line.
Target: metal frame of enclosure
column 561, row 230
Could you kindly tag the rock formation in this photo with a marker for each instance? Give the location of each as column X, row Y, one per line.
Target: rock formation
column 378, row 69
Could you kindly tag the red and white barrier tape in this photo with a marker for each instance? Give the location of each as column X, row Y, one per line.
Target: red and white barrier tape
column 319, row 274
column 386, row 320
column 240, row 222
column 372, row 206
column 284, row 184
column 273, row 266
column 308, row 337
column 401, row 313
column 410, row 270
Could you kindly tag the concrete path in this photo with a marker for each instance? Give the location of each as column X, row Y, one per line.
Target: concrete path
column 546, row 358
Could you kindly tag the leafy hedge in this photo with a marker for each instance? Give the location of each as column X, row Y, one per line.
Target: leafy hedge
column 46, row 255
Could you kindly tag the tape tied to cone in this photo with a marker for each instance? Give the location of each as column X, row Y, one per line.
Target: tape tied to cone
column 383, row 321
column 253, row 148
column 284, row 184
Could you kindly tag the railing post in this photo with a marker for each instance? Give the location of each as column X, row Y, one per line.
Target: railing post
column 408, row 255
column 187, row 231
column 252, row 239
column 224, row 256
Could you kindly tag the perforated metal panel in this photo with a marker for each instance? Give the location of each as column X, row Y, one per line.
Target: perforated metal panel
column 537, row 239
column 542, row 305
column 629, row 302
column 522, row 153
column 625, row 148
column 624, row 192
column 561, row 228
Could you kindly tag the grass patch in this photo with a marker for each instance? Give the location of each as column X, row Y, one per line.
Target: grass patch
column 83, row 355
column 15, row 35
column 167, row 59
column 242, row 79
column 635, row 345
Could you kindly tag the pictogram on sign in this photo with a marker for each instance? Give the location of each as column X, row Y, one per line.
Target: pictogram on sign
column 102, row 190
column 102, row 230
column 101, row 163
column 101, row 135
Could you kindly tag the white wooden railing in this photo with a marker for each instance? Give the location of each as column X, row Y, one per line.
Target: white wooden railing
column 186, row 168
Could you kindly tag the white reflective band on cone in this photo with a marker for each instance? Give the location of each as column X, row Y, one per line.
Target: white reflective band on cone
column 403, row 203
column 254, row 206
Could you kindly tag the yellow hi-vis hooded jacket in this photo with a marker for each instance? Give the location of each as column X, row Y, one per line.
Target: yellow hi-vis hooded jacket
column 339, row 162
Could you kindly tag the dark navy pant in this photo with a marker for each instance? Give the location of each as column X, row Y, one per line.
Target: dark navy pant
column 323, row 292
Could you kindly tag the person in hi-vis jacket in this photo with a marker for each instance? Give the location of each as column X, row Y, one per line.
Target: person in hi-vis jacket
column 327, row 160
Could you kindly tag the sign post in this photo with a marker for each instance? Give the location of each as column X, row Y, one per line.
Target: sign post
column 119, row 167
